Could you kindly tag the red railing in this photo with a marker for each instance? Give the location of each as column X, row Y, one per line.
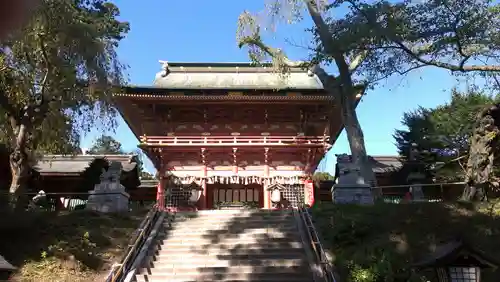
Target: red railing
column 234, row 140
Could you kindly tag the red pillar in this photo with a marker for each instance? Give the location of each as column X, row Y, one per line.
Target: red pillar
column 267, row 198
column 235, row 161
column 203, row 198
column 160, row 191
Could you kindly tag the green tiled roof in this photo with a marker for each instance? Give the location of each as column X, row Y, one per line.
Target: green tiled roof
column 233, row 76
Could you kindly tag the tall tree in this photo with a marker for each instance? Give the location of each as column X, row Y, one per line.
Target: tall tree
column 457, row 35
column 12, row 14
column 106, row 145
column 62, row 62
column 144, row 175
column 374, row 40
column 334, row 41
column 442, row 135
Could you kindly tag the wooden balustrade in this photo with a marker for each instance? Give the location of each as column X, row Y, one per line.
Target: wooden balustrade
column 309, row 141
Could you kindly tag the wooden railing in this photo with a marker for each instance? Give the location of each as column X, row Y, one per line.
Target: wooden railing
column 234, row 140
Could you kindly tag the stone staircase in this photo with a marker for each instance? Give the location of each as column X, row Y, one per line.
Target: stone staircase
column 228, row 245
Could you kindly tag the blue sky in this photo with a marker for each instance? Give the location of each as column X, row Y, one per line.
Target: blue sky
column 205, row 31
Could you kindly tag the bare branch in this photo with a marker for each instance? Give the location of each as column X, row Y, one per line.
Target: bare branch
column 417, row 55
column 331, row 49
column 357, row 61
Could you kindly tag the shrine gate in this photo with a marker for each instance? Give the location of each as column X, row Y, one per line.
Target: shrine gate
column 222, row 134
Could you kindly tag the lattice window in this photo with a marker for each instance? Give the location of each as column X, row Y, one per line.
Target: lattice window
column 294, row 194
column 178, row 197
column 463, row 274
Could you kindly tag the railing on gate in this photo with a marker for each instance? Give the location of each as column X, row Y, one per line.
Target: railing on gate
column 315, row 243
column 120, row 270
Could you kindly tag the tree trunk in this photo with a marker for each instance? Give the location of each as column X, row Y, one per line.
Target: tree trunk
column 355, row 137
column 483, row 144
column 20, row 168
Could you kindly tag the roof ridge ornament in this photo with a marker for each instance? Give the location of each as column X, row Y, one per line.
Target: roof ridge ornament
column 165, row 70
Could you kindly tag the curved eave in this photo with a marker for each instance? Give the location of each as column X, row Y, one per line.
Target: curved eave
column 243, row 98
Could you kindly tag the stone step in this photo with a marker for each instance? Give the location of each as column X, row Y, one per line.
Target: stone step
column 218, row 251
column 233, row 228
column 189, row 248
column 230, row 238
column 218, row 232
column 215, row 262
column 286, row 244
column 223, row 223
column 231, row 222
column 286, row 279
column 229, row 242
column 222, row 232
column 229, row 216
column 248, row 269
column 229, row 254
column 303, row 277
column 234, row 212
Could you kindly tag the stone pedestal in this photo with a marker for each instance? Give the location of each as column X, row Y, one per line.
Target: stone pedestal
column 351, row 188
column 109, row 196
column 352, row 194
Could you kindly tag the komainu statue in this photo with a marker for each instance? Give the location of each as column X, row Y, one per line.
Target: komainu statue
column 484, row 144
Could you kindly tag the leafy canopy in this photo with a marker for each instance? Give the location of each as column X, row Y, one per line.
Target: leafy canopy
column 382, row 38
column 440, row 136
column 66, row 57
column 106, row 145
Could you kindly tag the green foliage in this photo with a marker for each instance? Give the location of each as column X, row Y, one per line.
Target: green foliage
column 106, row 145
column 147, row 176
column 366, row 42
column 400, row 36
column 76, row 246
column 64, row 57
column 381, row 242
column 441, row 136
column 322, row 176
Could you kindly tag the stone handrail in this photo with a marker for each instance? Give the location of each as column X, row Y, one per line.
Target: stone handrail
column 327, row 273
column 119, row 270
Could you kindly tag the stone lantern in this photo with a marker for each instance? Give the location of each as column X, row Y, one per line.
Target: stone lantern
column 6, row 269
column 276, row 195
column 456, row 262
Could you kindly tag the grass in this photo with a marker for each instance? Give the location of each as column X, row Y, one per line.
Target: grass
column 380, row 242
column 76, row 246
